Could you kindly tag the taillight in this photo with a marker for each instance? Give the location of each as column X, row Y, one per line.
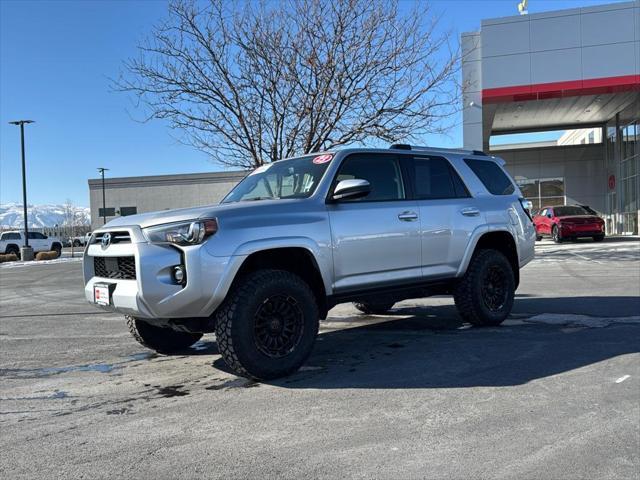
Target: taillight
column 526, row 206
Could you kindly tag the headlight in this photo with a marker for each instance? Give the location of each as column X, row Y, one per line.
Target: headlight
column 183, row 233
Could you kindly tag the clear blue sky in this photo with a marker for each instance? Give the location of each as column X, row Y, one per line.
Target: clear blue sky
column 55, row 61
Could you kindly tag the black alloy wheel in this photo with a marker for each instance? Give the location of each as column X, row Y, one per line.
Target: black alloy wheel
column 279, row 326
column 484, row 296
column 494, row 288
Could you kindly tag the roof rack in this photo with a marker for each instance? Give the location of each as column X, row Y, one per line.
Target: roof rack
column 405, row 146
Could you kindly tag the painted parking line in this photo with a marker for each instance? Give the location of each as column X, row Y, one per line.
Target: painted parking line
column 584, row 258
column 623, row 378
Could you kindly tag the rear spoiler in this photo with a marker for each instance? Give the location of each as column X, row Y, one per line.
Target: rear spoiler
column 500, row 161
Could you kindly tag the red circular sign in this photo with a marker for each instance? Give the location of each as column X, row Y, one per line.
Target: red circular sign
column 612, row 182
column 322, row 159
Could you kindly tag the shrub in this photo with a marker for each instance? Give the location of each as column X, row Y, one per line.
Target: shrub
column 46, row 255
column 9, row 257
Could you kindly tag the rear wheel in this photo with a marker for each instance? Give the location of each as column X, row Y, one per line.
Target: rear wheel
column 267, row 325
column 13, row 249
column 598, row 238
column 485, row 294
column 373, row 308
column 556, row 235
column 538, row 237
column 160, row 339
column 76, row 243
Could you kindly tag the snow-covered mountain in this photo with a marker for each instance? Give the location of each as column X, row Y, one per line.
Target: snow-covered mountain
column 42, row 215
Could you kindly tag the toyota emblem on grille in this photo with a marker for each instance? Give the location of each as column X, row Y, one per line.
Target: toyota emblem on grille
column 106, row 240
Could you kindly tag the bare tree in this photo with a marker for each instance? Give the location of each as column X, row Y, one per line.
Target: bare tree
column 71, row 219
column 252, row 83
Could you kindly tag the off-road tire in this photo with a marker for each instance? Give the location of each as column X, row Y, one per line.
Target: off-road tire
column 556, row 235
column 371, row 308
column 598, row 238
column 236, row 324
column 469, row 294
column 160, row 339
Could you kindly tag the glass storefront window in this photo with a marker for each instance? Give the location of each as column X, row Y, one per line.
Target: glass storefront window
column 530, row 188
column 552, row 187
column 629, row 141
column 543, row 192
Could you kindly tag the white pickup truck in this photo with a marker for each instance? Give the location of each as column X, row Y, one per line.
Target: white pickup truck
column 10, row 242
column 81, row 240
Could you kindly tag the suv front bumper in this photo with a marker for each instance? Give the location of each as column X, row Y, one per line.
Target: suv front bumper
column 153, row 293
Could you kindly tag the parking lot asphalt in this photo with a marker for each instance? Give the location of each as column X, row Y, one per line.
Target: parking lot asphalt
column 553, row 393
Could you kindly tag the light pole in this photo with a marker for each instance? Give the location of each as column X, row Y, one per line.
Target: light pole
column 104, row 207
column 28, row 253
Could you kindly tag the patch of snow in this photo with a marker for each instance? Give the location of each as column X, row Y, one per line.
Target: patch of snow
column 573, row 320
column 19, row 264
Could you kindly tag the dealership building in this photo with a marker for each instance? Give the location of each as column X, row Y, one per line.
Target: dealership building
column 575, row 71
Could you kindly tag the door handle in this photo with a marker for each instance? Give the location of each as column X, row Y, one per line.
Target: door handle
column 408, row 216
column 470, row 212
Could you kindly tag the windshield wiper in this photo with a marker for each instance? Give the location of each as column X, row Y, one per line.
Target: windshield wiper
column 253, row 199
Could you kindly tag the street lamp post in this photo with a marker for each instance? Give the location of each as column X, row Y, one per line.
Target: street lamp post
column 26, row 252
column 104, row 206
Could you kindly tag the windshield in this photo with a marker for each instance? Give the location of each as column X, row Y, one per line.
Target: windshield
column 294, row 178
column 569, row 211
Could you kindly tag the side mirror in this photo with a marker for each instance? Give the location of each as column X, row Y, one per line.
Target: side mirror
column 351, row 189
column 528, row 204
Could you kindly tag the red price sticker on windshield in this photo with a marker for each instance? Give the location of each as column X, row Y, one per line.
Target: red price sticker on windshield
column 322, row 159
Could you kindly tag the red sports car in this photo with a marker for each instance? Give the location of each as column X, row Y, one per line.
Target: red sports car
column 568, row 222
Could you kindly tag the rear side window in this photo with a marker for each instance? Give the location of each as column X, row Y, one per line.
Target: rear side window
column 434, row 178
column 492, row 176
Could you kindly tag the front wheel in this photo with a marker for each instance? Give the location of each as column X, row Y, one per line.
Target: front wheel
column 160, row 339
column 57, row 248
column 485, row 294
column 267, row 325
column 555, row 234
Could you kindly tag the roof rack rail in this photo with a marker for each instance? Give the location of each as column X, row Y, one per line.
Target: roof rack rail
column 405, row 146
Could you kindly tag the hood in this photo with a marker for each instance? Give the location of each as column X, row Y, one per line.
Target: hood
column 165, row 216
column 144, row 220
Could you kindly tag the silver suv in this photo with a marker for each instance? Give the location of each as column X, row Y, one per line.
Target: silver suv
column 301, row 235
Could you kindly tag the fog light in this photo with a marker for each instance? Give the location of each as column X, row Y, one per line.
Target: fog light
column 179, row 275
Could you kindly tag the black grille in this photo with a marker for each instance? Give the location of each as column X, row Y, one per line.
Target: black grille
column 122, row 268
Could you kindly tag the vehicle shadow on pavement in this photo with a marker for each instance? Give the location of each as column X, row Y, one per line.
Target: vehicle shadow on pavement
column 432, row 348
column 596, row 306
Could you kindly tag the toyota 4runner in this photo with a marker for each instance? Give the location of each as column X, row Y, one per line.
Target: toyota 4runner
column 301, row 235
